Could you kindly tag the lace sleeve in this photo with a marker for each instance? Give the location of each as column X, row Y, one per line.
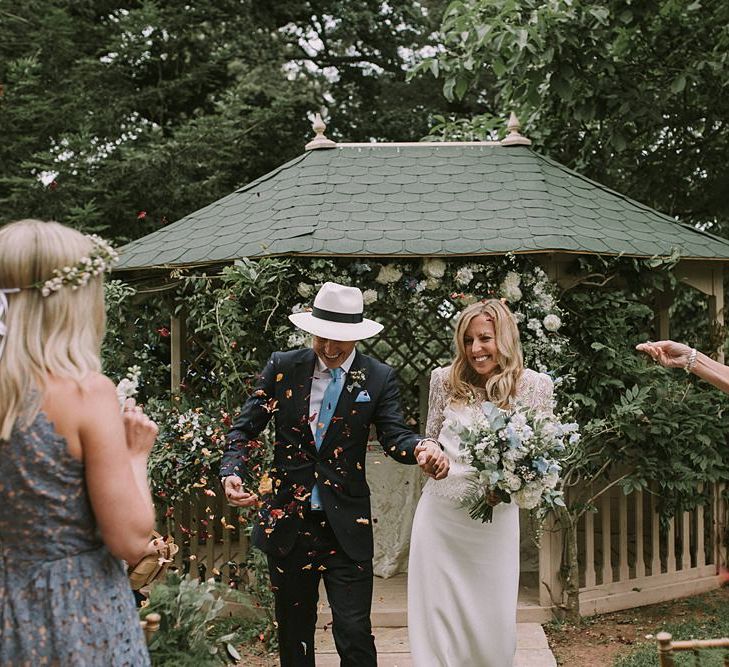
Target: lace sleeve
column 536, row 391
column 436, row 404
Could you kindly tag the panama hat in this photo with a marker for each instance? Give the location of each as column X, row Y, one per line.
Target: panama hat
column 337, row 315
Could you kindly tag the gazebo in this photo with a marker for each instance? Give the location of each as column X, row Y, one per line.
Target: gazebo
column 465, row 199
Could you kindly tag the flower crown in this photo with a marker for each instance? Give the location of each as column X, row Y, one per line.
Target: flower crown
column 100, row 259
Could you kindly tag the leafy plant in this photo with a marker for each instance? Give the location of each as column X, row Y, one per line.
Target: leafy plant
column 188, row 635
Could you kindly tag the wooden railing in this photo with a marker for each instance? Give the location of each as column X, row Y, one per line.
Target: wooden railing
column 628, row 557
column 212, row 540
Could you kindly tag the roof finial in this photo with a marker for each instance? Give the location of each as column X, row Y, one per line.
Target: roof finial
column 319, row 141
column 514, row 138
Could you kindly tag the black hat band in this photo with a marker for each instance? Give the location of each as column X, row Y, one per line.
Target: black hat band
column 333, row 316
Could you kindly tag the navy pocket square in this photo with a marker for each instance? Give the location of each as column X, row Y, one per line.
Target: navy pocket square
column 362, row 397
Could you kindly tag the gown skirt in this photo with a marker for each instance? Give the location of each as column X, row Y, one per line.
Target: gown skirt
column 463, row 583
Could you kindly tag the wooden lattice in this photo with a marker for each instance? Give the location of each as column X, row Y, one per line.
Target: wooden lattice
column 414, row 343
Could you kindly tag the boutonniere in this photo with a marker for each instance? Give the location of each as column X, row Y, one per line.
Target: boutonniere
column 357, row 378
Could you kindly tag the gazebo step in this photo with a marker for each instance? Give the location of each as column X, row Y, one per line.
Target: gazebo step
column 398, row 618
column 390, row 604
column 393, row 649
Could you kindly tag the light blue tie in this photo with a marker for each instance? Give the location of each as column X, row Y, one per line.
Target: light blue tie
column 326, row 412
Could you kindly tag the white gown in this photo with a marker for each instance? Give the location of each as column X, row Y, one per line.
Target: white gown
column 463, row 575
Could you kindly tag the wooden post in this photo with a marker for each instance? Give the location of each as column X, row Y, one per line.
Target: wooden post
column 550, row 562
column 607, row 563
column 716, row 306
column 178, row 345
column 639, row 536
column 150, row 625
column 590, row 576
column 623, row 565
column 663, row 301
column 665, row 652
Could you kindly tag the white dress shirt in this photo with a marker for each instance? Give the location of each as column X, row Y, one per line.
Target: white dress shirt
column 319, row 382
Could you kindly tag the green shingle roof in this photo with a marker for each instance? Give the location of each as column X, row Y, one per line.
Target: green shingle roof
column 419, row 199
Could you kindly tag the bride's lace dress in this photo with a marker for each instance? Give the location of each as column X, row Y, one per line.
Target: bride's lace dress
column 463, row 575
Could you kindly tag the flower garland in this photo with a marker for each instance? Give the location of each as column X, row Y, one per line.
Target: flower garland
column 416, row 285
column 101, row 258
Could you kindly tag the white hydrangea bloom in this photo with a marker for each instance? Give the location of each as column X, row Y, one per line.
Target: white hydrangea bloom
column 528, row 496
column 464, row 275
column 509, row 287
column 389, row 273
column 434, row 267
column 369, row 296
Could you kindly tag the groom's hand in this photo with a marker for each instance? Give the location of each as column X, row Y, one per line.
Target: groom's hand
column 235, row 493
column 431, row 459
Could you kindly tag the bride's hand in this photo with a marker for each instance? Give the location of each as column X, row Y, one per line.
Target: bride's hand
column 493, row 498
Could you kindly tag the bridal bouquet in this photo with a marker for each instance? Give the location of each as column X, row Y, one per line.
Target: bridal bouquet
column 515, row 455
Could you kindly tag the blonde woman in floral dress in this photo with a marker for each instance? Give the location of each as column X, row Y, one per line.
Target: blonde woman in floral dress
column 74, row 499
column 463, row 575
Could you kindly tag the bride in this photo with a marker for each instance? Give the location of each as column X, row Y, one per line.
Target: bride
column 463, row 575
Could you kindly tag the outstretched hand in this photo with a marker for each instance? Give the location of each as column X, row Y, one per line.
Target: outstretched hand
column 236, row 494
column 431, row 459
column 668, row 353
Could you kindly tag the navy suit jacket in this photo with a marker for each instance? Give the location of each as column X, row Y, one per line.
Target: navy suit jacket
column 282, row 392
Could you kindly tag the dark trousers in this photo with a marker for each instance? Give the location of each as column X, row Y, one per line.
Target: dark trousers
column 295, row 581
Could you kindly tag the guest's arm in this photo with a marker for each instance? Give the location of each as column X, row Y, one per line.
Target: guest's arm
column 671, row 354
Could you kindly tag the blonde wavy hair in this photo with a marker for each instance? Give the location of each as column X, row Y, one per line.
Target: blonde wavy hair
column 58, row 335
column 501, row 386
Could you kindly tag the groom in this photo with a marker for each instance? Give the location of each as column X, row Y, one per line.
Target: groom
column 316, row 522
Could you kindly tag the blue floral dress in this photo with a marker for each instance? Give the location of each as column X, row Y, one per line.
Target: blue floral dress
column 64, row 599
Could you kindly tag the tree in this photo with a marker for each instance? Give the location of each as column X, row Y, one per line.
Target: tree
column 121, row 116
column 632, row 94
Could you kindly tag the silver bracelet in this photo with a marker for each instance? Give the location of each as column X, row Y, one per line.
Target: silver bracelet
column 691, row 362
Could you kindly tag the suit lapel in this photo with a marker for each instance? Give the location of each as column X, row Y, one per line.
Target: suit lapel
column 344, row 407
column 301, row 387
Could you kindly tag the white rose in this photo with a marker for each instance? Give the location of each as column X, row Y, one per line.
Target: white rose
column 305, row 290
column 389, row 273
column 434, row 267
column 552, row 322
column 369, row 296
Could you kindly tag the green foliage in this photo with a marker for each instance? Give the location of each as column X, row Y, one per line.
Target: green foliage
column 188, row 636
column 139, row 113
column 613, row 89
column 641, row 423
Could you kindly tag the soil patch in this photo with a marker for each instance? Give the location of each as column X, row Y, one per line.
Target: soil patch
column 598, row 640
